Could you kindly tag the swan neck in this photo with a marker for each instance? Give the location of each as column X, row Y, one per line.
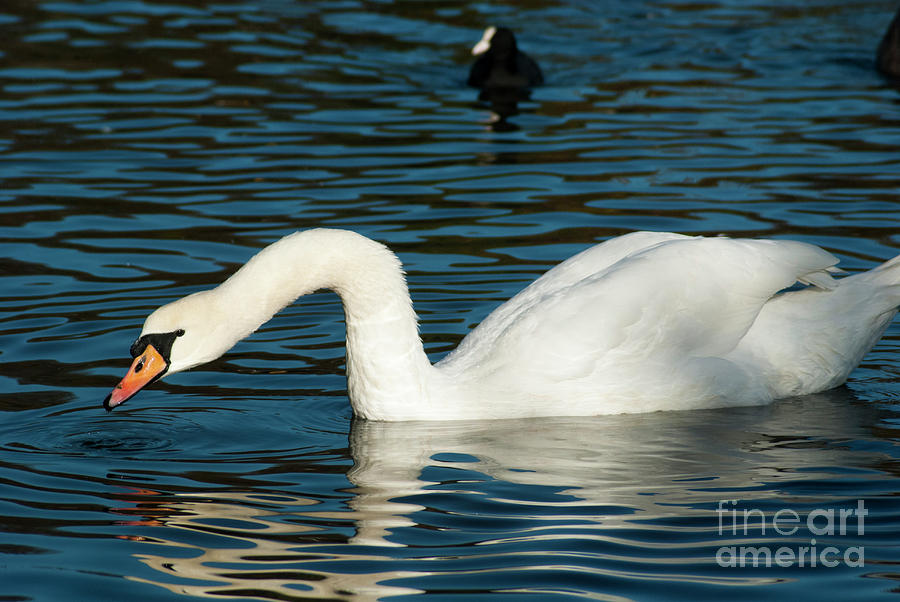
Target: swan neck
column 386, row 364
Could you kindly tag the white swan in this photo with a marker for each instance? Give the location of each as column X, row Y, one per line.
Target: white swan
column 643, row 322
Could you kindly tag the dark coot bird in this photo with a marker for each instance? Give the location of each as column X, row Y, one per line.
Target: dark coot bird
column 889, row 50
column 501, row 64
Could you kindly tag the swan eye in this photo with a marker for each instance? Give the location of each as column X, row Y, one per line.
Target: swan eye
column 161, row 341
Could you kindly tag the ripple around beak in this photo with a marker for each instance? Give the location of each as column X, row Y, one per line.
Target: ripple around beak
column 74, row 435
column 128, row 440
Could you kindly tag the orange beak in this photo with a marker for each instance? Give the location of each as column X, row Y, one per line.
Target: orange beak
column 146, row 368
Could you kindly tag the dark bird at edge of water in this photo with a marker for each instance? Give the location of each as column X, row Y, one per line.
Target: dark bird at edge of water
column 888, row 56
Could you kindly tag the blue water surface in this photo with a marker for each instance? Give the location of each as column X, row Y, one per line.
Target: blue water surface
column 147, row 149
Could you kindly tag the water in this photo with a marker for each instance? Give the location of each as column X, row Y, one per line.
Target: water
column 148, row 149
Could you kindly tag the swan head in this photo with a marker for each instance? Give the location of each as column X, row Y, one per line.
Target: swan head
column 175, row 337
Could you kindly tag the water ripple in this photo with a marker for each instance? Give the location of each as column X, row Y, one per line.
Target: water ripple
column 147, row 150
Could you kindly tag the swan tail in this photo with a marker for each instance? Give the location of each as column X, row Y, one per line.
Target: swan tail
column 889, row 271
column 810, row 340
column 883, row 283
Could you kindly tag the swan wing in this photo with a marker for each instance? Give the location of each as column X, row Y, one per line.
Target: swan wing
column 669, row 299
column 556, row 281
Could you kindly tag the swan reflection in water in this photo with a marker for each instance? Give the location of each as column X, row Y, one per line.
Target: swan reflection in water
column 639, row 489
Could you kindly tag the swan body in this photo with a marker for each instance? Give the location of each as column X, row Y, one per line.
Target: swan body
column 643, row 322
